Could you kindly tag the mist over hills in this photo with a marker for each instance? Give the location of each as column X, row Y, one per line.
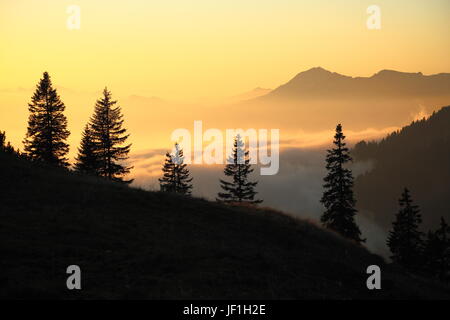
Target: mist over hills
column 317, row 99
column 252, row 94
column 314, row 100
column 416, row 157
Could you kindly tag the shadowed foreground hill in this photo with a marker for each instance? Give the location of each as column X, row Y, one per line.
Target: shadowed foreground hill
column 135, row 244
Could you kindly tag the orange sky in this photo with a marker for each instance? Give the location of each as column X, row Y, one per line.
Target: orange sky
column 188, row 50
column 181, row 49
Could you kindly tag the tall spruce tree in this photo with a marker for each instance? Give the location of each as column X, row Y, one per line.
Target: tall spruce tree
column 175, row 173
column 238, row 167
column 338, row 196
column 437, row 251
column 108, row 137
column 47, row 126
column 87, row 161
column 405, row 239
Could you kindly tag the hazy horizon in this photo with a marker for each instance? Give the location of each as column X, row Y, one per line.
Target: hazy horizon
column 193, row 61
column 144, row 116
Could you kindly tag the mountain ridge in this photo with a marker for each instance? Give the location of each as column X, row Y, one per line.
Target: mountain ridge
column 318, row 81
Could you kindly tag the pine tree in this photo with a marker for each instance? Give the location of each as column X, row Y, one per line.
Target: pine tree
column 47, row 126
column 6, row 147
column 338, row 196
column 176, row 175
column 2, row 140
column 238, row 167
column 405, row 239
column 108, row 136
column 87, row 161
column 437, row 251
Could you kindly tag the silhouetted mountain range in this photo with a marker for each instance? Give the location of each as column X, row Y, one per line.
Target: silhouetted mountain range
column 317, row 99
column 318, row 82
column 417, row 157
column 314, row 100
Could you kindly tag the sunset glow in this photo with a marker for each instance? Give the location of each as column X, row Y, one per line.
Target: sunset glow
column 200, row 53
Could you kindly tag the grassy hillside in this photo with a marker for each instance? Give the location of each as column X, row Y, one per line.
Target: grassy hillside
column 135, row 244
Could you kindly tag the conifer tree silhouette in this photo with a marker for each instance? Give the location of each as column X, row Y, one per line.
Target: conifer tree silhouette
column 405, row 239
column 338, row 196
column 2, row 141
column 47, row 132
column 108, row 137
column 6, row 147
column 176, row 175
column 87, row 161
column 238, row 167
column 437, row 251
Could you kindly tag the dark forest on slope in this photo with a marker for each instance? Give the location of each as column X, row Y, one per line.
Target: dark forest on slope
column 417, row 157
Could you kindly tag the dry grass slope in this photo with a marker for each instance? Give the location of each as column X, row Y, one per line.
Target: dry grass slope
column 131, row 243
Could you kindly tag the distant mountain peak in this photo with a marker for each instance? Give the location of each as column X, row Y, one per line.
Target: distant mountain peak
column 319, row 82
column 315, row 71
